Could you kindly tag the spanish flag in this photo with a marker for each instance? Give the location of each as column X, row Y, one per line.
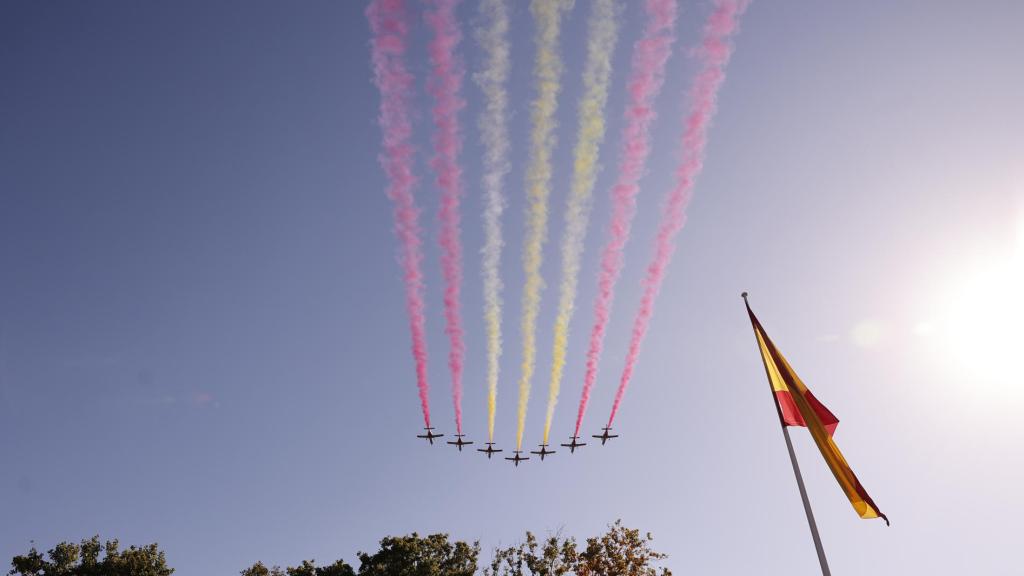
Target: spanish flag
column 798, row 407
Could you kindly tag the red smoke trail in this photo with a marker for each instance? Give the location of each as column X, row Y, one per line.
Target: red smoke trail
column 446, row 87
column 646, row 78
column 390, row 30
column 714, row 54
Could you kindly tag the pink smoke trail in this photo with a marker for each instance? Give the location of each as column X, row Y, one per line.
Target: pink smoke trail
column 390, row 30
column 647, row 75
column 446, row 87
column 714, row 53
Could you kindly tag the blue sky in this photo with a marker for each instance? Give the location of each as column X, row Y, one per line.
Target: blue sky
column 203, row 343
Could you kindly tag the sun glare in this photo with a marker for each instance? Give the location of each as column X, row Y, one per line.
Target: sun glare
column 985, row 327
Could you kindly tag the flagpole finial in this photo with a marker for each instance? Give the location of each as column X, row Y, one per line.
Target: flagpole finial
column 744, row 295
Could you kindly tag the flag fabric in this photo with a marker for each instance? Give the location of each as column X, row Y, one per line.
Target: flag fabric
column 788, row 409
column 798, row 407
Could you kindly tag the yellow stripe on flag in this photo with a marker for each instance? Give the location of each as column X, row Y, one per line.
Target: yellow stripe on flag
column 783, row 378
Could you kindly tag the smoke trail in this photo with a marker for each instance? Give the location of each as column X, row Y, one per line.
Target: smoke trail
column 647, row 74
column 390, row 30
column 446, row 87
column 494, row 134
column 547, row 71
column 601, row 34
column 714, row 52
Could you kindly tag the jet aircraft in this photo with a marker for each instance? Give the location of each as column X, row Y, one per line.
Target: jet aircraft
column 543, row 451
column 459, row 442
column 429, row 436
column 490, row 450
column 605, row 436
column 517, row 458
column 573, row 445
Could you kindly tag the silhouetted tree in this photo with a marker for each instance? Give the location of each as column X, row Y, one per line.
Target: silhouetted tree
column 90, row 558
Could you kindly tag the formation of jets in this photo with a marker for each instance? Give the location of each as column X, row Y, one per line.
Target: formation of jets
column 517, row 457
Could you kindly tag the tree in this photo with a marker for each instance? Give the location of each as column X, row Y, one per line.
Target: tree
column 307, row 568
column 411, row 555
column 68, row 559
column 556, row 557
column 259, row 569
column 433, row 555
column 339, row 568
column 619, row 552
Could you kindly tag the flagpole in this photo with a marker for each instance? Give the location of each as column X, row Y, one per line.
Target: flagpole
column 807, row 506
column 796, row 470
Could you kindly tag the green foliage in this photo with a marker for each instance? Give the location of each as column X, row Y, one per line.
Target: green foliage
column 307, row 568
column 339, row 568
column 433, row 555
column 258, row 569
column 90, row 558
column 411, row 555
column 619, row 552
column 555, row 557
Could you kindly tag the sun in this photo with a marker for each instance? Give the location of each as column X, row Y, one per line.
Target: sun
column 985, row 325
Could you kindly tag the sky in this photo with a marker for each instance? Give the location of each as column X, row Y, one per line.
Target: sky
column 203, row 341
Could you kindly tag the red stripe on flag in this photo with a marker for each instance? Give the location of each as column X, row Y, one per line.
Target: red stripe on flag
column 791, row 415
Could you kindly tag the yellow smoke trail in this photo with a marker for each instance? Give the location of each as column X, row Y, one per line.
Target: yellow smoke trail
column 493, row 41
column 547, row 68
column 601, row 33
